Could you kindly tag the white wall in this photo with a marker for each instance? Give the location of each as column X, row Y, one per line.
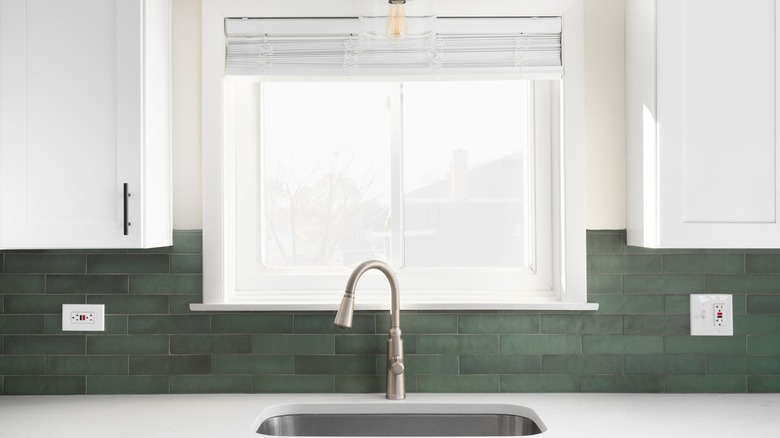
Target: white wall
column 186, row 116
column 605, row 115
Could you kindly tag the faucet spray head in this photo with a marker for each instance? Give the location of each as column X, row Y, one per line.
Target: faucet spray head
column 346, row 309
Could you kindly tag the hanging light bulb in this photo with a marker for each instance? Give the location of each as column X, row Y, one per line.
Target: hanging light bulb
column 396, row 20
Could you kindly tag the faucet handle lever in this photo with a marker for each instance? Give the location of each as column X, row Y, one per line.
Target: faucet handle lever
column 396, row 365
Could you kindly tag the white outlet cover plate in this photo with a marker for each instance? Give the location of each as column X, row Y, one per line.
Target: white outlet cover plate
column 703, row 315
column 97, row 326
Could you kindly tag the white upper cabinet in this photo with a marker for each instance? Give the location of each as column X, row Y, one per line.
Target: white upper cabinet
column 702, row 82
column 84, row 113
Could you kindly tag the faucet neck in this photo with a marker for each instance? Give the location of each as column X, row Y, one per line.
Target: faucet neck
column 395, row 299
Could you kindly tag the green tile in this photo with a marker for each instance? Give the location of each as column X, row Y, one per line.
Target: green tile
column 21, row 325
column 415, row 323
column 498, row 323
column 22, row 284
column 291, row 384
column 689, row 364
column 127, row 384
column 211, row 344
column 740, row 304
column 749, row 283
column 135, row 251
column 431, row 364
column 764, row 384
column 763, row 344
column 322, row 324
column 605, row 284
column 211, row 384
column 186, row 264
column 166, row 284
column 704, row 344
column 252, row 364
column 169, row 365
column 656, row 324
column 132, row 304
column 541, row 344
column 604, row 243
column 582, row 324
column 340, row 364
column 628, row 304
column 38, row 304
column 540, row 383
column 173, row 324
column 664, row 284
column 706, row 384
column 125, row 345
column 704, row 264
column 582, row 364
column 762, row 263
column 361, row 344
column 180, row 304
column 86, row 365
column 86, row 284
column 459, row 383
column 22, row 365
column 26, row 263
column 293, row 344
column 634, row 383
column 609, row 344
column 723, row 364
column 35, row 344
column 763, row 305
column 458, row 344
column 252, row 323
column 44, row 385
column 362, row 384
column 753, row 324
column 128, row 263
column 677, row 305
column 500, row 364
column 187, row 242
column 624, row 264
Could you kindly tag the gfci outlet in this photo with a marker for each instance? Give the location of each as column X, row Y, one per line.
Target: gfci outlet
column 83, row 317
column 712, row 315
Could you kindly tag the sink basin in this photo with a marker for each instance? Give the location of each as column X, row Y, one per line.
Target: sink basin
column 398, row 419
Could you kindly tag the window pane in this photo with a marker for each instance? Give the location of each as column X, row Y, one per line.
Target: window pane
column 326, row 185
column 464, row 173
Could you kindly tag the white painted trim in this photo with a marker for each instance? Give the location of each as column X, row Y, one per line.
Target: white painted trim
column 309, row 306
column 218, row 277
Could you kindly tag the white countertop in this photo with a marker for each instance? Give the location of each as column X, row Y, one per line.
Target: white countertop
column 231, row 416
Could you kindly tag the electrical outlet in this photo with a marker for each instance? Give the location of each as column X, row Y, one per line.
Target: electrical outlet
column 83, row 317
column 712, row 315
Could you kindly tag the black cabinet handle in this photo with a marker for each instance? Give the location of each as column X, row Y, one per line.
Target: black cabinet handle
column 126, row 216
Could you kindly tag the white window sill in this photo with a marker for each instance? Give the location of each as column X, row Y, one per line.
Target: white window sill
column 371, row 300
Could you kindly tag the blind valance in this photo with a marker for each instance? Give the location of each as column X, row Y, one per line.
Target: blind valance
column 518, row 46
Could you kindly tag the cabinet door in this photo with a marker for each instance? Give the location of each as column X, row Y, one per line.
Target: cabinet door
column 717, row 115
column 71, row 123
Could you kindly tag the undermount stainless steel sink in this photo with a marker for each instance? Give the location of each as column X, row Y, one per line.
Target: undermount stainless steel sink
column 407, row 419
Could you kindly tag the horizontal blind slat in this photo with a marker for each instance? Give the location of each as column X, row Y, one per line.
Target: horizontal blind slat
column 329, row 53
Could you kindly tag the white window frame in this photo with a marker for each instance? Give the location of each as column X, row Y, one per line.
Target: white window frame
column 568, row 291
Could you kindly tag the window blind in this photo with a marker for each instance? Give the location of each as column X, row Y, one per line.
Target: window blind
column 522, row 47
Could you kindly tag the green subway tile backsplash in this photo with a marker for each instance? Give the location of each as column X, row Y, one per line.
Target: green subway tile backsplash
column 637, row 341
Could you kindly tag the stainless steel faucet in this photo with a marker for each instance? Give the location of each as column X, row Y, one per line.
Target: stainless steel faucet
column 395, row 345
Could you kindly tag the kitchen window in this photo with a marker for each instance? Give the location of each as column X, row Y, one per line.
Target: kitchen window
column 460, row 179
